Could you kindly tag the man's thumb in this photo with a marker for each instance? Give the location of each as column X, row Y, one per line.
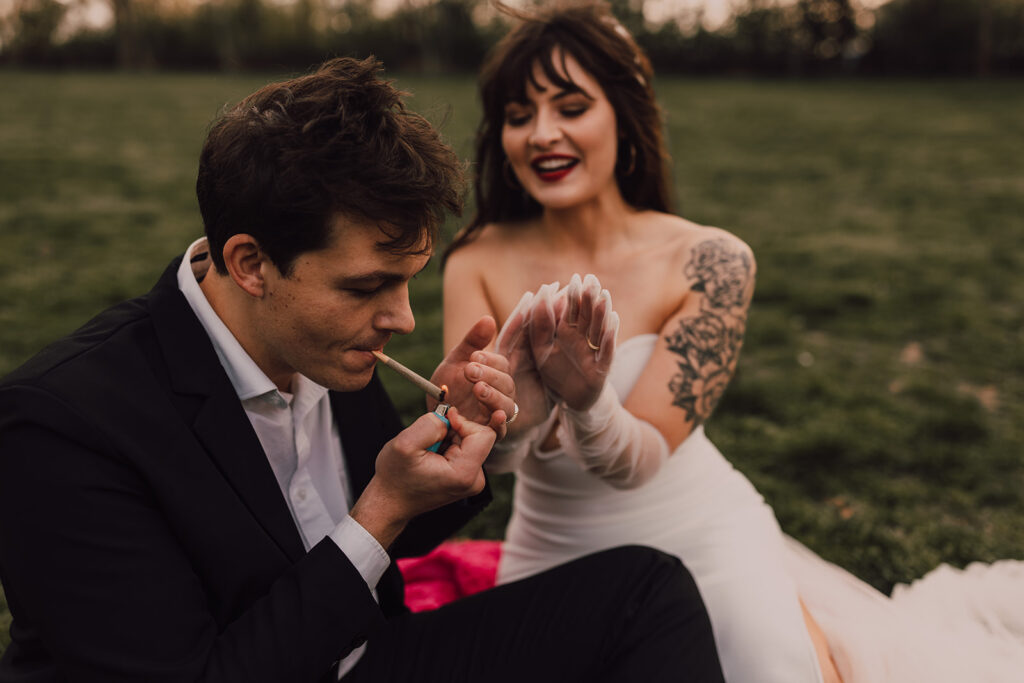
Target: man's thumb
column 476, row 339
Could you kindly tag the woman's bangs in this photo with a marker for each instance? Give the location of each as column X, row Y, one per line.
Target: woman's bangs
column 557, row 74
column 518, row 69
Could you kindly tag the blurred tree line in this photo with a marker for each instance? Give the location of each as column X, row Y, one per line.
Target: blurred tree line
column 763, row 37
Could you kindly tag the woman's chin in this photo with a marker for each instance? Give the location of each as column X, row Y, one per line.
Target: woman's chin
column 565, row 197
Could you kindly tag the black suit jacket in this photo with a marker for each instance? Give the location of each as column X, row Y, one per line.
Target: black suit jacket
column 143, row 535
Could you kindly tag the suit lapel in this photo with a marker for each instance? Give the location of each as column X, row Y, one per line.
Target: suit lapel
column 366, row 421
column 207, row 397
column 358, row 438
column 225, row 431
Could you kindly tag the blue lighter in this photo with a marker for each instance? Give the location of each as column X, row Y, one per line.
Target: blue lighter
column 440, row 412
column 437, row 392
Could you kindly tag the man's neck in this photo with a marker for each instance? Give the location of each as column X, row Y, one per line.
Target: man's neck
column 233, row 306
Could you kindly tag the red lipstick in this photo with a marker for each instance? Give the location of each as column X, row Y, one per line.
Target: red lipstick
column 553, row 167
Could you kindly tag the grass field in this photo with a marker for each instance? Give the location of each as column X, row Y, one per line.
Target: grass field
column 879, row 403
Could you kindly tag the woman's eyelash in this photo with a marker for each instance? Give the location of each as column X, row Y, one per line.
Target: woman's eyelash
column 568, row 111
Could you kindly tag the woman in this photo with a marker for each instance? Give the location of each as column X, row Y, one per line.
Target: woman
column 573, row 180
column 609, row 447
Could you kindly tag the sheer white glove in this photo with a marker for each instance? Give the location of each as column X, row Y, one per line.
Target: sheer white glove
column 572, row 338
column 609, row 442
column 560, row 345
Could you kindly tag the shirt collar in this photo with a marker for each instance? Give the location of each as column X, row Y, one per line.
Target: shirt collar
column 307, row 395
column 246, row 377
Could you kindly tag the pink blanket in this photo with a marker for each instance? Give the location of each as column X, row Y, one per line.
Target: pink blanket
column 451, row 571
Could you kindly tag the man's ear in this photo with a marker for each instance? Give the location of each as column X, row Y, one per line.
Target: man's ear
column 244, row 261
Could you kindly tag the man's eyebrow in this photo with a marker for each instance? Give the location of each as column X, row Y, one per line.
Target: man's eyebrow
column 376, row 277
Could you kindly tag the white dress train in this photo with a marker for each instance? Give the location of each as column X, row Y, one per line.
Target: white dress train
column 952, row 626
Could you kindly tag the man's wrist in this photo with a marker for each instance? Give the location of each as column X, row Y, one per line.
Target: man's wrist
column 378, row 513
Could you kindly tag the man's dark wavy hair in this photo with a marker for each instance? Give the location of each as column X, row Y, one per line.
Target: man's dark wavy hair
column 285, row 162
column 604, row 48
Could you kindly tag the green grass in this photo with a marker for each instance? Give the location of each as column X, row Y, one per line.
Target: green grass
column 879, row 403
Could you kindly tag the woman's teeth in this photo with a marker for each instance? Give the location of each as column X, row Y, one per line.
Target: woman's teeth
column 553, row 164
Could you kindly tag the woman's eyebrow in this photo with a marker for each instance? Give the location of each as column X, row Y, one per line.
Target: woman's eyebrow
column 571, row 90
column 560, row 94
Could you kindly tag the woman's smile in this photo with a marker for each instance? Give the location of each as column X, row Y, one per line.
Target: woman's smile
column 553, row 167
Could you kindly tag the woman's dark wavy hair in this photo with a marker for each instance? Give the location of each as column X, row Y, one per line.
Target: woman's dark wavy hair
column 286, row 161
column 604, row 48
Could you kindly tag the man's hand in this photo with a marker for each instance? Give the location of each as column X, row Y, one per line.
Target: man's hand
column 513, row 343
column 479, row 383
column 410, row 480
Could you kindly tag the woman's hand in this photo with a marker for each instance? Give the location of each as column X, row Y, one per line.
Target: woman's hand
column 572, row 338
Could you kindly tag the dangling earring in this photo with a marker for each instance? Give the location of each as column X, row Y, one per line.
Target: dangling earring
column 632, row 159
column 509, row 175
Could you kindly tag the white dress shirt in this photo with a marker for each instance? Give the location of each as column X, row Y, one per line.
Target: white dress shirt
column 300, row 438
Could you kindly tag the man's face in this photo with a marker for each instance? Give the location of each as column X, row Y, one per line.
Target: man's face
column 338, row 304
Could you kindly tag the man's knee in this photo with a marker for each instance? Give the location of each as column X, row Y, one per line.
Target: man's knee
column 638, row 555
column 645, row 565
column 661, row 616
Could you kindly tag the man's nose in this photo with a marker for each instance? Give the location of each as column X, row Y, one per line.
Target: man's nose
column 396, row 317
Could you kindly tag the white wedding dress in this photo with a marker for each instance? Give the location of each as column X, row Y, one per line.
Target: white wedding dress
column 951, row 626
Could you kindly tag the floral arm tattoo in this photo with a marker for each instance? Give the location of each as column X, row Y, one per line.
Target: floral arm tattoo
column 708, row 343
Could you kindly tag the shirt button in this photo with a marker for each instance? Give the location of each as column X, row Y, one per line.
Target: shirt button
column 301, row 494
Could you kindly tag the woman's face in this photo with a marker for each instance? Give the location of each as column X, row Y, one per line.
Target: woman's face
column 562, row 143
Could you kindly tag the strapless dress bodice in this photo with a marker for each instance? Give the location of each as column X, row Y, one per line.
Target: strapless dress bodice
column 560, row 509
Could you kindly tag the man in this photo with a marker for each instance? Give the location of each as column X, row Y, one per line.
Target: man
column 208, row 483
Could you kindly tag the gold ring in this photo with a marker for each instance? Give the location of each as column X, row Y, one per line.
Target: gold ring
column 591, row 344
column 515, row 413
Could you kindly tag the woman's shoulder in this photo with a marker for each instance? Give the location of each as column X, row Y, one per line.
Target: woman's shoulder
column 492, row 237
column 680, row 237
column 716, row 262
column 489, row 248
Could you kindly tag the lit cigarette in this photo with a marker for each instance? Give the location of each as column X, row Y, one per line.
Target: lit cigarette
column 425, row 385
